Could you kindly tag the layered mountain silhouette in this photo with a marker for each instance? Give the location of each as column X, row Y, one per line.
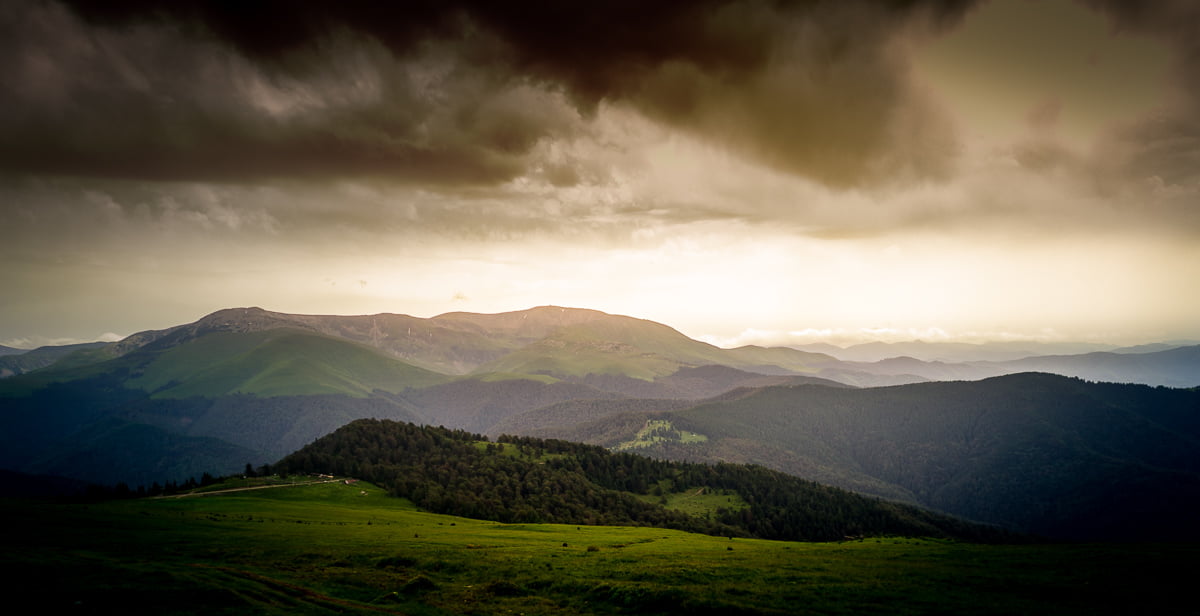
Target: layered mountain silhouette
column 1041, row 453
column 247, row 385
column 18, row 361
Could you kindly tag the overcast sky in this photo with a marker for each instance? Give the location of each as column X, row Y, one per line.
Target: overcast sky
column 745, row 171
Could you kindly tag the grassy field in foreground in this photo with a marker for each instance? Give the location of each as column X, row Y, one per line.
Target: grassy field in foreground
column 328, row 548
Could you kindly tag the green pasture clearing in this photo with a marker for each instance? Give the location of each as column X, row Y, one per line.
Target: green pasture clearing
column 701, row 502
column 658, row 431
column 330, row 548
column 513, row 451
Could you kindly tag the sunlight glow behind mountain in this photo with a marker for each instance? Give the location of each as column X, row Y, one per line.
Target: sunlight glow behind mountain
column 982, row 170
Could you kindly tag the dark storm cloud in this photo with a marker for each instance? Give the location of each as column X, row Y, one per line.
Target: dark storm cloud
column 458, row 92
column 155, row 99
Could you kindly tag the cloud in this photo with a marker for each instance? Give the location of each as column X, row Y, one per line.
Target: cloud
column 163, row 100
column 1154, row 161
column 459, row 93
column 360, row 127
column 831, row 100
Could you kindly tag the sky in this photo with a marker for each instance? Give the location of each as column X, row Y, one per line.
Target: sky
column 752, row 171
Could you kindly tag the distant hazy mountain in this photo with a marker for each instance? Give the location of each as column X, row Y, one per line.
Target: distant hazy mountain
column 7, row 350
column 20, row 361
column 956, row 352
column 1155, row 347
column 1176, row 367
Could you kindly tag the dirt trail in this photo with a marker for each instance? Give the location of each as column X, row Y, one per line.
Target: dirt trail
column 281, row 485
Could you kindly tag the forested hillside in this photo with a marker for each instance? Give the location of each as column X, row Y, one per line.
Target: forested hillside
column 520, row 479
column 1036, row 452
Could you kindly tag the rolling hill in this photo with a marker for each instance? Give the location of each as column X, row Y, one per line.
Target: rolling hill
column 1035, row 452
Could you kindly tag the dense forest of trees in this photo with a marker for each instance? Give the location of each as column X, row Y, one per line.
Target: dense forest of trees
column 521, row 479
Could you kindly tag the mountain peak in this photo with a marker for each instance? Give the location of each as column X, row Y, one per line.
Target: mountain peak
column 241, row 320
column 532, row 323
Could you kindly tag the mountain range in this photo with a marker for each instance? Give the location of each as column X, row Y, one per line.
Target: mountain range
column 960, row 352
column 1046, row 454
column 247, row 385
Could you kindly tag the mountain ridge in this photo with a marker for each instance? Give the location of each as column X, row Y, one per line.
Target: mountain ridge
column 576, row 342
column 1041, row 453
column 259, row 384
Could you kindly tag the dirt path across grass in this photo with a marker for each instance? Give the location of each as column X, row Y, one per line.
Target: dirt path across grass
column 226, row 491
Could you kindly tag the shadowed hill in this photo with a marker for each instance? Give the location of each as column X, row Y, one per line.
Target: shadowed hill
column 530, row 480
column 1037, row 452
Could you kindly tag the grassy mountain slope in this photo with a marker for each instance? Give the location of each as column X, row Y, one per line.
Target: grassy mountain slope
column 221, row 398
column 429, row 343
column 275, row 362
column 328, row 549
column 627, row 347
column 522, row 326
column 417, row 341
column 1037, row 452
column 624, row 346
column 543, row 340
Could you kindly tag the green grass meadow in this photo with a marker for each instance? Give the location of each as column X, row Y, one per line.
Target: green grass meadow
column 328, row 548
